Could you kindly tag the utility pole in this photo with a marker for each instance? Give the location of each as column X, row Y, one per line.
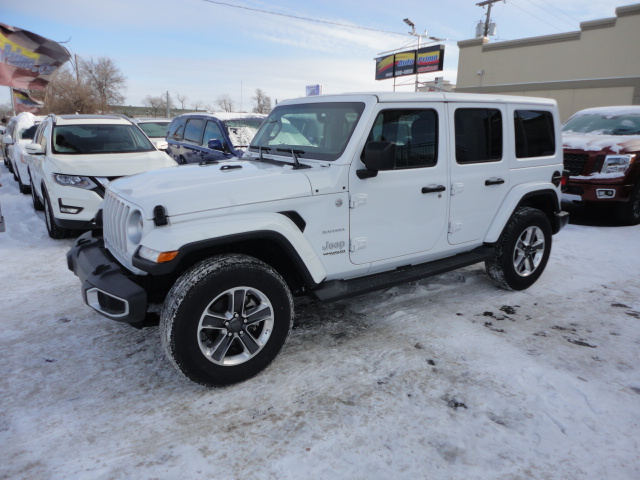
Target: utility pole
column 489, row 4
column 168, row 114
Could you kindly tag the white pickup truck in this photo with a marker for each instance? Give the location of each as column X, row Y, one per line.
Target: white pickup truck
column 337, row 195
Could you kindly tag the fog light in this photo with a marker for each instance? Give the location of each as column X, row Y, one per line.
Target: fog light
column 68, row 208
column 605, row 193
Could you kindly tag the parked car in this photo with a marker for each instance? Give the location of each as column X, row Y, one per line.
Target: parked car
column 74, row 157
column 601, row 148
column 337, row 196
column 7, row 140
column 198, row 137
column 156, row 130
column 23, row 133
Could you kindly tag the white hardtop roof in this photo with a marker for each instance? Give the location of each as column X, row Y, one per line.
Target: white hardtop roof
column 389, row 97
column 91, row 120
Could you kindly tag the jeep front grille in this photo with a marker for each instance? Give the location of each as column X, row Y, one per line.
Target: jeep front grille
column 574, row 163
column 114, row 218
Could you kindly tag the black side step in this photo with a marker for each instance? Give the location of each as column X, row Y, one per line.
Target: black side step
column 333, row 290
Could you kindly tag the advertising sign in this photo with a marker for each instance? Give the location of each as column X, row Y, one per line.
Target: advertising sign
column 384, row 67
column 404, row 64
column 313, row 90
column 24, row 103
column 28, row 60
column 430, row 59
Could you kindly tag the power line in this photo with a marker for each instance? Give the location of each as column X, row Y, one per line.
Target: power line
column 303, row 18
column 573, row 19
column 572, row 23
column 534, row 15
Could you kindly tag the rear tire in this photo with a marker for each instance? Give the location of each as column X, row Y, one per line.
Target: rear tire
column 226, row 319
column 522, row 251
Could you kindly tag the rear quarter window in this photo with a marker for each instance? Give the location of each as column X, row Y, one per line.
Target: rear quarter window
column 534, row 133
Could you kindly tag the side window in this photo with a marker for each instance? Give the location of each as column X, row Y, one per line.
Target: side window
column 176, row 129
column 535, row 133
column 211, row 131
column 415, row 133
column 193, row 130
column 45, row 133
column 478, row 135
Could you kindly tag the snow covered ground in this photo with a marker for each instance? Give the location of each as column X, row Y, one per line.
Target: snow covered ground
column 448, row 378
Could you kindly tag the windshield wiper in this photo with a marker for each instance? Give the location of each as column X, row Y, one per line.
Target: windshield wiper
column 260, row 150
column 294, row 154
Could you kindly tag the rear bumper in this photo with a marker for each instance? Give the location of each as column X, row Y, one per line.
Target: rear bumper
column 106, row 286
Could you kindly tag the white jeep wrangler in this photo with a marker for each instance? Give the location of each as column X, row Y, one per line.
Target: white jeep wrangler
column 337, row 196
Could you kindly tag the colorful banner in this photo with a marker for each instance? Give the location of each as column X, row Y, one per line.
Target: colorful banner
column 23, row 102
column 404, row 64
column 27, row 60
column 430, row 59
column 384, row 67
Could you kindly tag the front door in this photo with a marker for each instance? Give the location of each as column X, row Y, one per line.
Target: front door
column 402, row 211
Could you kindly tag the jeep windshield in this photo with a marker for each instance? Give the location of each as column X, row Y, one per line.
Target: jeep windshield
column 604, row 124
column 94, row 139
column 242, row 130
column 313, row 130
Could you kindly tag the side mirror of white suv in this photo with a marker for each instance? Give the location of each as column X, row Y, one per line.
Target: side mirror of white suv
column 162, row 144
column 34, row 149
column 7, row 140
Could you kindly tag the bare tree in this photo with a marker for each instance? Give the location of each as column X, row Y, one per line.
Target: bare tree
column 156, row 106
column 263, row 103
column 106, row 80
column 182, row 99
column 68, row 92
column 197, row 105
column 225, row 102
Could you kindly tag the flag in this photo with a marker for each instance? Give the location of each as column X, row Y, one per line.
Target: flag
column 24, row 103
column 27, row 60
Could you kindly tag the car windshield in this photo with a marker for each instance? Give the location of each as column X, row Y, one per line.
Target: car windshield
column 154, row 129
column 242, row 130
column 315, row 130
column 604, row 124
column 90, row 139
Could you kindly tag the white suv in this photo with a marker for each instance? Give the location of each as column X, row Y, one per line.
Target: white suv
column 336, row 196
column 74, row 157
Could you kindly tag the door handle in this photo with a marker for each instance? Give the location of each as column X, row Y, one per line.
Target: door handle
column 494, row 181
column 439, row 188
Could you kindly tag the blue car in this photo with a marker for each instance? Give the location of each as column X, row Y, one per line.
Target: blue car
column 200, row 137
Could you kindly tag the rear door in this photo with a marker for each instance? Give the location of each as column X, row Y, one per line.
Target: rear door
column 479, row 168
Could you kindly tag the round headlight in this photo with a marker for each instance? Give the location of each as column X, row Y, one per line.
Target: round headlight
column 134, row 227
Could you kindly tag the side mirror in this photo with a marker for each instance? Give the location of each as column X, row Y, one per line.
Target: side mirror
column 7, row 140
column 378, row 156
column 33, row 149
column 215, row 144
column 162, row 144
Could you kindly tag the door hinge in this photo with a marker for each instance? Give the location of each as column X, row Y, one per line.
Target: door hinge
column 357, row 244
column 455, row 226
column 356, row 200
column 456, row 188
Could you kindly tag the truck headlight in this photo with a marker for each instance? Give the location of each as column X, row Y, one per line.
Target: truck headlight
column 617, row 163
column 74, row 181
column 135, row 225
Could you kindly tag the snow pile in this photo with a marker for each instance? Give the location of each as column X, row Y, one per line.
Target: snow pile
column 445, row 378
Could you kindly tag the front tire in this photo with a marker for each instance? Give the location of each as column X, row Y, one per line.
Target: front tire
column 53, row 230
column 628, row 213
column 522, row 251
column 226, row 319
column 37, row 204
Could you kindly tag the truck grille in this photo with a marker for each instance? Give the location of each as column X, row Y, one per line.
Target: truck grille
column 575, row 162
column 114, row 218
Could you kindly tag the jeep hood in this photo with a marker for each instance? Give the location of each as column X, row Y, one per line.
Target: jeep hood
column 597, row 143
column 111, row 164
column 192, row 188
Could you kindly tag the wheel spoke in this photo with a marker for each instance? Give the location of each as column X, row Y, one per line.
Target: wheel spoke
column 221, row 347
column 238, row 301
column 259, row 314
column 210, row 320
column 249, row 342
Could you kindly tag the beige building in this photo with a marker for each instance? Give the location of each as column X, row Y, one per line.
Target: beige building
column 596, row 66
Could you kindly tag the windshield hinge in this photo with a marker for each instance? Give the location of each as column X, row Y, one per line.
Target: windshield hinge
column 356, row 200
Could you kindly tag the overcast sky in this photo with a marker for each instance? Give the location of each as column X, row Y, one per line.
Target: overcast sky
column 204, row 48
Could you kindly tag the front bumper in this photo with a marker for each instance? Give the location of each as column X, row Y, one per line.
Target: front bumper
column 106, row 286
column 597, row 192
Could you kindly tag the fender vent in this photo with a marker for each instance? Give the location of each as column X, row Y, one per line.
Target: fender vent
column 295, row 218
